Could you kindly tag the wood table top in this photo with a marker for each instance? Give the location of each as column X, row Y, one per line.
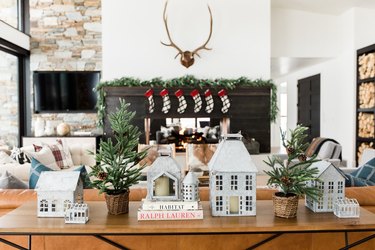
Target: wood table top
column 24, row 220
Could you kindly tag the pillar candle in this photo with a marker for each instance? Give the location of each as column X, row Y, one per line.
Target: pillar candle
column 234, row 205
column 162, row 186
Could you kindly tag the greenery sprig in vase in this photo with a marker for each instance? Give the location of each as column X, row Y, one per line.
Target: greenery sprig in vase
column 117, row 160
column 290, row 176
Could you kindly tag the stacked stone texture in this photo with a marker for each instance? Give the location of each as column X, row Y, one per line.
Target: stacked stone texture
column 66, row 36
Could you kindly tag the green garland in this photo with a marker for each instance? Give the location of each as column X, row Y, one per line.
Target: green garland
column 185, row 81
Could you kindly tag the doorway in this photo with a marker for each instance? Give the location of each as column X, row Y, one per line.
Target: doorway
column 309, row 105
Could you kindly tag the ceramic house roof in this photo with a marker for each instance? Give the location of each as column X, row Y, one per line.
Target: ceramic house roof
column 58, row 181
column 232, row 156
column 322, row 166
column 164, row 163
column 190, row 179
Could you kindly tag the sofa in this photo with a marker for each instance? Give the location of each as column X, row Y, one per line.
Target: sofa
column 11, row 199
column 79, row 153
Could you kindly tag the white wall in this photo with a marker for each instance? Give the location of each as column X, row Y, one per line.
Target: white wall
column 132, row 31
column 338, row 81
column 303, row 34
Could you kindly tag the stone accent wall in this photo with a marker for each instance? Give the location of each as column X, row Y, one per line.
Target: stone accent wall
column 66, row 35
column 8, row 99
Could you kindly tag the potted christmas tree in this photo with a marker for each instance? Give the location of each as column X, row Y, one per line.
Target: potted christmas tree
column 291, row 175
column 117, row 161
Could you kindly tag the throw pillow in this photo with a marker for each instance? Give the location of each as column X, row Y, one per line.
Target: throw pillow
column 363, row 176
column 19, row 156
column 45, row 156
column 5, row 158
column 213, row 133
column 166, row 131
column 35, row 170
column 8, row 181
column 67, row 155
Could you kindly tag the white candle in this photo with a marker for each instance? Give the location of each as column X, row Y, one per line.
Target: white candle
column 233, row 205
column 162, row 186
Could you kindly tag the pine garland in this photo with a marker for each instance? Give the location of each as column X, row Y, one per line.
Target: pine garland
column 186, row 81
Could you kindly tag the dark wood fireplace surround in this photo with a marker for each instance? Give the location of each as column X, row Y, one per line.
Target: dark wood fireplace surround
column 249, row 111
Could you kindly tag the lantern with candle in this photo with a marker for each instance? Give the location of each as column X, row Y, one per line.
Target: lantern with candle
column 232, row 179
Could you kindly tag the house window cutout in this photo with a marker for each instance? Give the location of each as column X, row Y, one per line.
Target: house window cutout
column 219, row 203
column 233, row 182
column 219, row 182
column 43, row 206
column 165, row 186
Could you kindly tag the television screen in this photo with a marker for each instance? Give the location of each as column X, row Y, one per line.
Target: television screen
column 66, row 91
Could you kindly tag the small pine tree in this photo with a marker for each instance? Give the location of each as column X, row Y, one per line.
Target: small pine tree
column 292, row 175
column 117, row 160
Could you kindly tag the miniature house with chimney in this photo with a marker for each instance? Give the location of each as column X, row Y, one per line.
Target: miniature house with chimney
column 331, row 183
column 164, row 179
column 56, row 191
column 232, row 179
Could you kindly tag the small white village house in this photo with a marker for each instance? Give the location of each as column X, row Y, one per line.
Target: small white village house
column 232, row 179
column 56, row 191
column 164, row 179
column 331, row 184
column 190, row 191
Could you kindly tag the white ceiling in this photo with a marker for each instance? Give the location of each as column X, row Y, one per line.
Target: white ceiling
column 284, row 65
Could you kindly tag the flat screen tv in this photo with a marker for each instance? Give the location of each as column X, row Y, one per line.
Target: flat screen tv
column 65, row 91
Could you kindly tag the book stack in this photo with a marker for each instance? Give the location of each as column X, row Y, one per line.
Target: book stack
column 170, row 210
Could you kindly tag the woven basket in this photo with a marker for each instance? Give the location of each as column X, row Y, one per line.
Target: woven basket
column 117, row 204
column 285, row 207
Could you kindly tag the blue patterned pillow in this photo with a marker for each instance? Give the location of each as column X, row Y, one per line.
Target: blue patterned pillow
column 363, row 176
column 35, row 170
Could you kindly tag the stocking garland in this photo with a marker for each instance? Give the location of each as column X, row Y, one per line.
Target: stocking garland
column 150, row 97
column 197, row 100
column 166, row 101
column 181, row 101
column 225, row 100
column 209, row 101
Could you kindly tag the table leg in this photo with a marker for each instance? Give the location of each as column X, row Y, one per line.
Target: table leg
column 100, row 237
column 29, row 242
column 12, row 244
column 358, row 242
column 265, row 241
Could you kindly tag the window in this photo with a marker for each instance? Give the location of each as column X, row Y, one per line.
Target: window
column 9, row 12
column 340, row 187
column 9, row 101
column 330, row 187
column 53, row 205
column 219, row 203
column 249, row 203
column 43, row 206
column 249, row 182
column 219, row 182
column 67, row 204
column 233, row 182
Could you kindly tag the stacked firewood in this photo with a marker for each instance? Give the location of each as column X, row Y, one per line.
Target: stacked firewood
column 366, row 95
column 362, row 147
column 366, row 125
column 366, row 67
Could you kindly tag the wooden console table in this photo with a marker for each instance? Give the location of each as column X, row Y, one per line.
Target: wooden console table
column 24, row 221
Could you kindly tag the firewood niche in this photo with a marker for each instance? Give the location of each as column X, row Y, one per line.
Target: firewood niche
column 249, row 110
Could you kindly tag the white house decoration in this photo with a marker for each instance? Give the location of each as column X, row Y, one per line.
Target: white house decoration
column 332, row 185
column 77, row 213
column 190, row 191
column 164, row 179
column 56, row 190
column 232, row 179
column 346, row 208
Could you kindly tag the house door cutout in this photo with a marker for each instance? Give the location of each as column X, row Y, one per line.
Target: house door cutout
column 234, row 205
column 309, row 105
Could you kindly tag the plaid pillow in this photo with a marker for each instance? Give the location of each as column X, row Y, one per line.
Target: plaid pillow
column 61, row 158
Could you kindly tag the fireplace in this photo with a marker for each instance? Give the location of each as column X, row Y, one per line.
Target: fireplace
column 249, row 111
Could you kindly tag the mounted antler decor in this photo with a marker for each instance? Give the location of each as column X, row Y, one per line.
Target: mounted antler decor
column 186, row 57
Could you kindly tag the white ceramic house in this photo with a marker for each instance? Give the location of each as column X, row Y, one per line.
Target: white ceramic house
column 164, row 179
column 190, row 191
column 56, row 191
column 331, row 184
column 232, row 179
